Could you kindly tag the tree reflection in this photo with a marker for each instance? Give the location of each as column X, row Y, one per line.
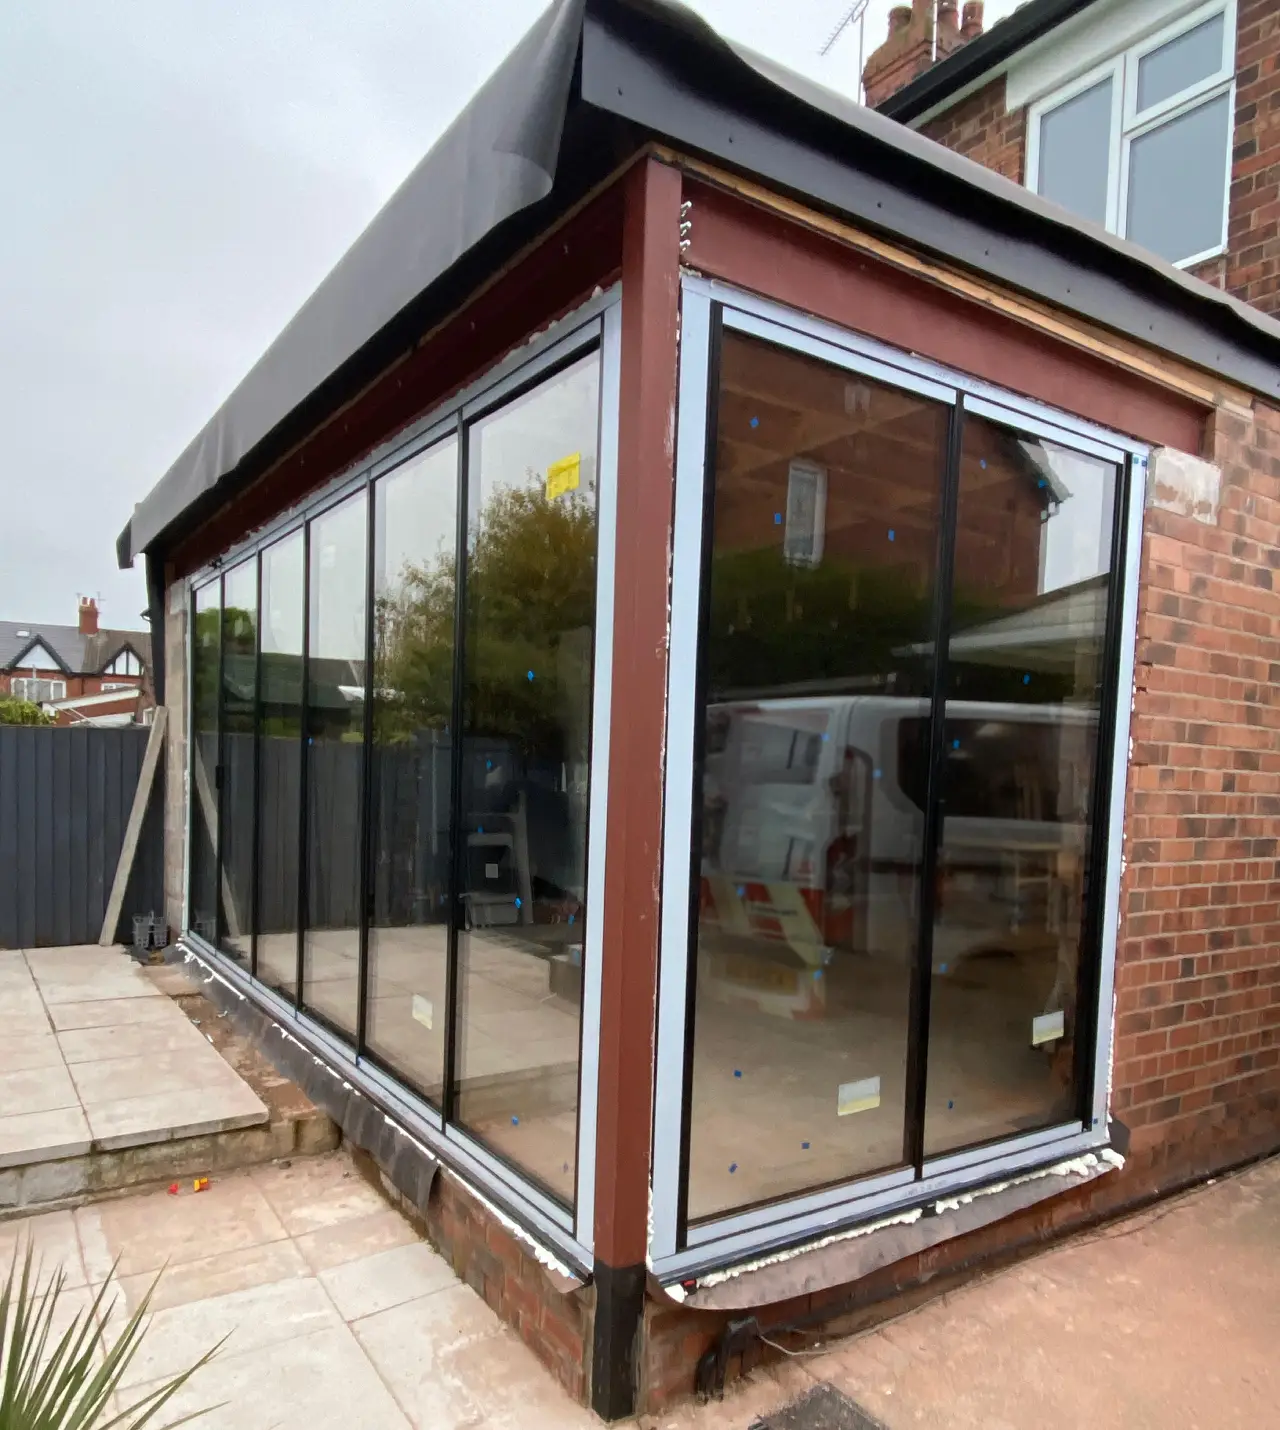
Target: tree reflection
column 530, row 580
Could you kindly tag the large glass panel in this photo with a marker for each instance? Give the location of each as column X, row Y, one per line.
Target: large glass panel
column 239, row 686
column 530, row 626
column 1180, row 63
column 1177, row 182
column 202, row 873
column 335, row 761
column 280, row 763
column 1031, row 592
column 410, row 774
column 1075, row 152
column 807, row 854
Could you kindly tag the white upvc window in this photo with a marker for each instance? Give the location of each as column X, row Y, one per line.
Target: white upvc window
column 1142, row 143
column 125, row 663
column 31, row 688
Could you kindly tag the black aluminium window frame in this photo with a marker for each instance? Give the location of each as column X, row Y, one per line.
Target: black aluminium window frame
column 677, row 1250
column 593, row 326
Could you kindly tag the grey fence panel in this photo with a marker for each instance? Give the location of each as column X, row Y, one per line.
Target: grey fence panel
column 65, row 798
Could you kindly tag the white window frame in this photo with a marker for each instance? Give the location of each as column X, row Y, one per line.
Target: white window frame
column 1128, row 123
column 125, row 662
column 19, row 688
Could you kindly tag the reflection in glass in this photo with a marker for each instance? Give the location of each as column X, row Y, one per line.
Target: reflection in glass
column 335, row 762
column 1075, row 152
column 415, row 533
column 203, row 870
column 280, row 763
column 821, row 568
column 530, row 625
column 1177, row 182
column 239, row 685
column 1032, row 582
column 1181, row 63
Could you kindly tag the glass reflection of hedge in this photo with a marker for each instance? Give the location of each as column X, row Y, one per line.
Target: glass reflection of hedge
column 530, row 582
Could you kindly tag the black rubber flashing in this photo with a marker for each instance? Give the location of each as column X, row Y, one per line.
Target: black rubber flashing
column 593, row 82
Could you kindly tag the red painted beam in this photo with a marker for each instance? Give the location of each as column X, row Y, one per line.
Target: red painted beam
column 780, row 259
column 646, row 478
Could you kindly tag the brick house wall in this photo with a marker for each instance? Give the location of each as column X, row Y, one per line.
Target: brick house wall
column 981, row 128
column 1197, row 1054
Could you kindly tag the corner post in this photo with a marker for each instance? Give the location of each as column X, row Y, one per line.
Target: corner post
column 629, row 973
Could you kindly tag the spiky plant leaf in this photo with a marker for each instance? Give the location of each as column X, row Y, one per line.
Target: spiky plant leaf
column 67, row 1381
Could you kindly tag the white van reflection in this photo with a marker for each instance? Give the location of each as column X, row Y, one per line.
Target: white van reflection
column 813, row 818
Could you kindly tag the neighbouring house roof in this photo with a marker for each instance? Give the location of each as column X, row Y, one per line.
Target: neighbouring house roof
column 983, row 53
column 595, row 80
column 75, row 653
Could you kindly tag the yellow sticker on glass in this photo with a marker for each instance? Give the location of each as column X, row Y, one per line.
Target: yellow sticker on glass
column 564, row 475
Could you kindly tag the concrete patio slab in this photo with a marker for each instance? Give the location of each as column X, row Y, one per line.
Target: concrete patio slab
column 95, row 1057
column 43, row 1136
column 1173, row 1314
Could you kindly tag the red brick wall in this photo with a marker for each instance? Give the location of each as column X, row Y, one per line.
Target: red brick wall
column 1253, row 265
column 556, row 1326
column 982, row 129
column 1197, row 1058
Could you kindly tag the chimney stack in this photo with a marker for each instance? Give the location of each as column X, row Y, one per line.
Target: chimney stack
column 919, row 35
column 88, row 616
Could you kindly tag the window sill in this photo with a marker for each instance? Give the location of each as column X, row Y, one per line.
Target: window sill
column 851, row 1255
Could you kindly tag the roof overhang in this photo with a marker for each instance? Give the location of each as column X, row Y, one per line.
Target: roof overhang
column 594, row 81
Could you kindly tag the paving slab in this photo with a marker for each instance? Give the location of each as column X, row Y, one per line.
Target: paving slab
column 51, row 1135
column 1174, row 1316
column 95, row 1057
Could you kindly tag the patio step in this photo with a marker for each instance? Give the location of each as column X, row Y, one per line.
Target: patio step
column 209, row 1102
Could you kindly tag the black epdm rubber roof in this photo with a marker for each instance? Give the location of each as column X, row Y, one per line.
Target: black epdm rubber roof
column 594, row 80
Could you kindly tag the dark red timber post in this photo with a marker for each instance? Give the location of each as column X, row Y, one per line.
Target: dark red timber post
column 629, row 975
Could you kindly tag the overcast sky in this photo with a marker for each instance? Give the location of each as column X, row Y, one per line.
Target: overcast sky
column 178, row 177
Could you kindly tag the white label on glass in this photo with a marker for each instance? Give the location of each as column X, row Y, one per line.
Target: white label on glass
column 859, row 1096
column 1048, row 1027
column 491, row 871
column 422, row 1010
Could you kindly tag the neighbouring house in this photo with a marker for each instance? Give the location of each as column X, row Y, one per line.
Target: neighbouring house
column 1157, row 119
column 723, row 707
column 81, row 674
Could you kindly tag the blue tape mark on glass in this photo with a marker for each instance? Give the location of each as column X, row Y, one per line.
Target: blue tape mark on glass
column 892, row 534
column 518, row 903
column 755, row 422
column 804, row 1146
column 777, row 518
column 1026, row 680
column 737, row 1072
column 531, row 675
column 515, row 1122
column 955, row 744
